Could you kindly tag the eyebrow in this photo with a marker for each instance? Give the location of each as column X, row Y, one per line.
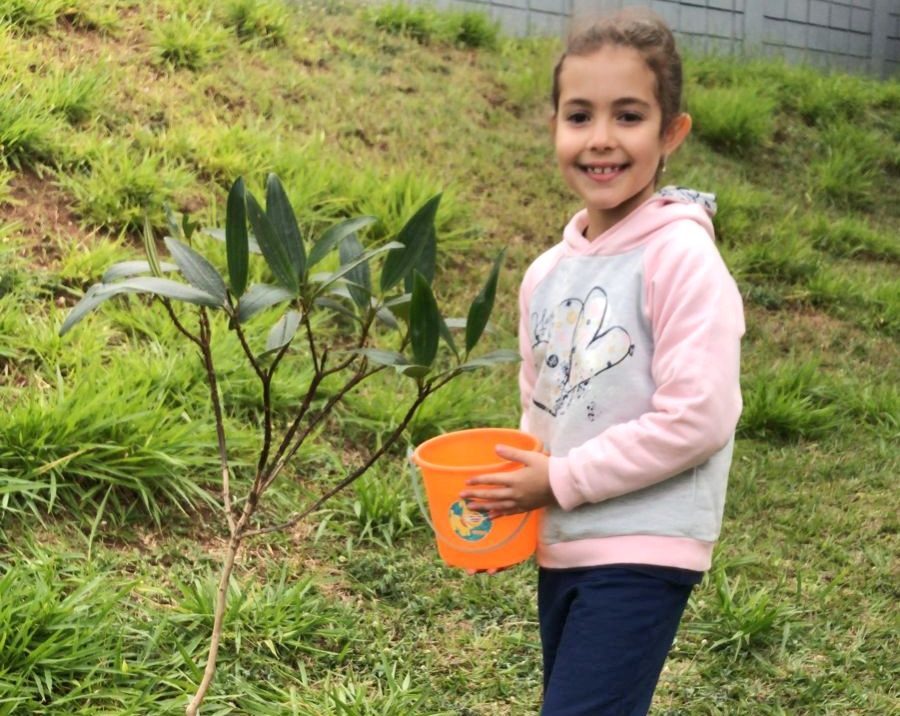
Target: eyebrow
column 621, row 102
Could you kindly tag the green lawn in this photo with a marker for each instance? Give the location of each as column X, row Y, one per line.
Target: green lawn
column 110, row 539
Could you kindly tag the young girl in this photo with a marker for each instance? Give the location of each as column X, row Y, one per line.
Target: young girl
column 630, row 339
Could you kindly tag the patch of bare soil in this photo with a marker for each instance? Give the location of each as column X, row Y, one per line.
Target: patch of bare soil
column 44, row 217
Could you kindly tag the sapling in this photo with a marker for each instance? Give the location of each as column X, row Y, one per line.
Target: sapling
column 402, row 299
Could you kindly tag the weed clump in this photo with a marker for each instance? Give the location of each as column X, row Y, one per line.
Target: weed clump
column 466, row 29
column 184, row 42
column 31, row 16
column 258, row 22
column 787, row 402
column 735, row 120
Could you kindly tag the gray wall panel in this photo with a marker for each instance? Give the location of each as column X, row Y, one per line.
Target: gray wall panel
column 859, row 35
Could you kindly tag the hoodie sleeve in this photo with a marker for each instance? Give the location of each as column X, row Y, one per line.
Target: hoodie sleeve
column 696, row 315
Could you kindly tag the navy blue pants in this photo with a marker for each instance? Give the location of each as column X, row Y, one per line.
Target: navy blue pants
column 606, row 632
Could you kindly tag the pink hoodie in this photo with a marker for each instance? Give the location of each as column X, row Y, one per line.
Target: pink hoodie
column 630, row 375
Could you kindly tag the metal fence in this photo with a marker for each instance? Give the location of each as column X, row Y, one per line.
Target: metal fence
column 854, row 35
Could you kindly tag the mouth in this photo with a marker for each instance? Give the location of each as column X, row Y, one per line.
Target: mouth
column 603, row 172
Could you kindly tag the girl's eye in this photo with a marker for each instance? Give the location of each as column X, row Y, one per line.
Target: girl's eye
column 578, row 117
column 630, row 117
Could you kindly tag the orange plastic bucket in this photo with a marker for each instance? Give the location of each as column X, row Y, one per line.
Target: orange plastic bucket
column 468, row 538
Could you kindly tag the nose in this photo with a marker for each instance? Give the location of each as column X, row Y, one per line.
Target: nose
column 602, row 137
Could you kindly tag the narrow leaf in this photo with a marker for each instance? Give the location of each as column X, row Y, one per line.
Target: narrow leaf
column 124, row 269
column 150, row 249
column 424, row 321
column 387, row 317
column 160, row 287
column 273, row 250
column 175, row 229
column 504, row 355
column 448, row 337
column 414, row 236
column 414, row 371
column 328, row 279
column 236, row 243
column 219, row 235
column 335, row 235
column 281, row 215
column 336, row 306
column 260, row 296
column 480, row 310
column 88, row 303
column 427, row 261
column 399, row 306
column 381, row 357
column 197, row 270
column 283, row 331
column 360, row 276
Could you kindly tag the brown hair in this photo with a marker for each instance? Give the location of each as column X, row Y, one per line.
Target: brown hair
column 640, row 30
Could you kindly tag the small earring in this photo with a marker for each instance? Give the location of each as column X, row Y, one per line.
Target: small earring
column 662, row 166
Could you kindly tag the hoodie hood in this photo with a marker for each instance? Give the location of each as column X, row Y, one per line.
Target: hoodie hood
column 668, row 205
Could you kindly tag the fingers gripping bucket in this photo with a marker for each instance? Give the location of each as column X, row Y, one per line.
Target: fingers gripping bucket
column 467, row 538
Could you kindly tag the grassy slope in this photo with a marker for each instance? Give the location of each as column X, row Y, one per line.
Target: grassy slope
column 96, row 125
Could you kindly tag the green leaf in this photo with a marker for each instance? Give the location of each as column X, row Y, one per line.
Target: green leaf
column 387, row 317
column 480, row 310
column 175, row 229
column 360, row 277
column 424, row 321
column 503, row 355
column 335, row 235
column 448, row 337
column 414, row 236
column 88, row 303
column 399, row 306
column 329, row 278
column 124, row 269
column 236, row 242
column 283, row 332
column 160, row 287
column 273, row 250
column 99, row 292
column 188, row 226
column 260, row 296
column 336, row 306
column 414, row 371
column 219, row 235
column 282, row 218
column 380, row 357
column 150, row 249
column 197, row 270
column 426, row 263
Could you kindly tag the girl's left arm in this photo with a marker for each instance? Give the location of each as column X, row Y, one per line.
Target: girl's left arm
column 696, row 315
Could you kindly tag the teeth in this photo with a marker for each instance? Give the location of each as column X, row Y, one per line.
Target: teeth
column 602, row 170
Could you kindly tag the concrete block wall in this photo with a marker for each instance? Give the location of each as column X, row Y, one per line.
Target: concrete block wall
column 519, row 17
column 853, row 35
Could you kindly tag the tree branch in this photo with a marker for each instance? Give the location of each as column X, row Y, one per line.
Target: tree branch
column 424, row 392
column 205, row 343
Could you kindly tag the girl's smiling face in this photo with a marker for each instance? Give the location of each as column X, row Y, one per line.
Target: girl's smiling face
column 607, row 131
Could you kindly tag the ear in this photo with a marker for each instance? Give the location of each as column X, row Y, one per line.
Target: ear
column 676, row 132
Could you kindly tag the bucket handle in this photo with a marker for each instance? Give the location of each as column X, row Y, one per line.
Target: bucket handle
column 417, row 491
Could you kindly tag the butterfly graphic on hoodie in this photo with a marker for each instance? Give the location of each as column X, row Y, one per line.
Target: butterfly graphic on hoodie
column 572, row 346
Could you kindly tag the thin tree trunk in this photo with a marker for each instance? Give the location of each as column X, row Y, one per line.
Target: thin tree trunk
column 234, row 544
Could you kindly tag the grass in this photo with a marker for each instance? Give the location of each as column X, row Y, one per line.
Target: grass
column 109, row 538
column 735, row 119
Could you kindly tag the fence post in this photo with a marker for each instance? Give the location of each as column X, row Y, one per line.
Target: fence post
column 880, row 21
column 753, row 26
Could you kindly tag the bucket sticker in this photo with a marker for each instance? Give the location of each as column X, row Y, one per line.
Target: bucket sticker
column 471, row 525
